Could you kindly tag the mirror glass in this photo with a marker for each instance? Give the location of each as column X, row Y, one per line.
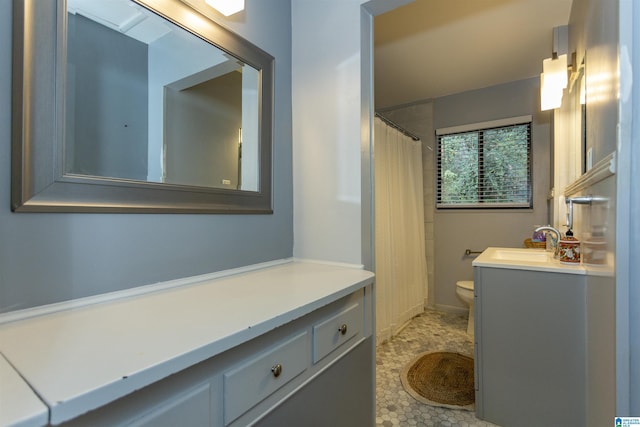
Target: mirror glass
column 147, row 100
column 142, row 106
column 582, row 90
column 577, row 108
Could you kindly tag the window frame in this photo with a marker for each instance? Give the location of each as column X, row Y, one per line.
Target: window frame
column 481, row 128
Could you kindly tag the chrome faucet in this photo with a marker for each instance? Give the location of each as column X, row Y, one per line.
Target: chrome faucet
column 554, row 242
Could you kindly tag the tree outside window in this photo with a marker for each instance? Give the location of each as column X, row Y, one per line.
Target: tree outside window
column 485, row 168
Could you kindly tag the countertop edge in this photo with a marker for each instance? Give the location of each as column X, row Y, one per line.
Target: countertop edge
column 484, row 260
column 514, row 266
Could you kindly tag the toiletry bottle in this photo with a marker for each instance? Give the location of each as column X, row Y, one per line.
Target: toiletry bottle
column 569, row 249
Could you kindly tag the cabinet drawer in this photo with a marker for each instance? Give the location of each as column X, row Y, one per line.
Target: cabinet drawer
column 253, row 381
column 190, row 409
column 337, row 329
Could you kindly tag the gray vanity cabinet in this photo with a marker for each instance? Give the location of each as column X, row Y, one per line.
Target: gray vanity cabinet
column 530, row 347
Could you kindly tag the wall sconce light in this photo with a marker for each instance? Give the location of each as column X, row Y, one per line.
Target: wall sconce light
column 553, row 81
column 554, row 77
column 549, row 99
column 227, row 7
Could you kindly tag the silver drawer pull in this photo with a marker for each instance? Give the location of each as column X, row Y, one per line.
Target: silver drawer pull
column 277, row 370
column 343, row 329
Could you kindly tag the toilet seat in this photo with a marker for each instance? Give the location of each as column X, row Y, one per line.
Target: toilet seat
column 465, row 284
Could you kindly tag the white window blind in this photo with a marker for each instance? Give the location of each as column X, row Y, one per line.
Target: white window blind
column 486, row 167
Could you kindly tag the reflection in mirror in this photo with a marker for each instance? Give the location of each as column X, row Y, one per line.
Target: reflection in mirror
column 137, row 106
column 146, row 100
column 583, row 114
column 578, row 111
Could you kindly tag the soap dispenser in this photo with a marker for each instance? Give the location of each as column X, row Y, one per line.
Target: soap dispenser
column 569, row 249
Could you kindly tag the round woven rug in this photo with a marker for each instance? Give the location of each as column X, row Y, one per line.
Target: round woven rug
column 441, row 379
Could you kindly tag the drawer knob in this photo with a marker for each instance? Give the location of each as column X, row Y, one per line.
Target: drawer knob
column 277, row 370
column 343, row 329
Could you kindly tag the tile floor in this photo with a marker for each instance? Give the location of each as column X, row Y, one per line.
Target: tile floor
column 431, row 331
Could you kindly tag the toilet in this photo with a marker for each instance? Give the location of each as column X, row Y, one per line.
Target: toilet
column 464, row 289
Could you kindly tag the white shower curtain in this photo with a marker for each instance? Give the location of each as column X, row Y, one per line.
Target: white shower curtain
column 401, row 266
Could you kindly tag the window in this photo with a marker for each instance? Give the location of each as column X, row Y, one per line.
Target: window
column 485, row 165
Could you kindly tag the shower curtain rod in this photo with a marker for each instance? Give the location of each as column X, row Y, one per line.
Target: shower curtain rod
column 398, row 127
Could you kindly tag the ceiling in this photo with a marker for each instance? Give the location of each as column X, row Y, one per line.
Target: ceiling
column 123, row 16
column 431, row 48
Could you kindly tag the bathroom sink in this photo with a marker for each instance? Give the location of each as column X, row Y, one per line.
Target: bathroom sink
column 524, row 259
column 527, row 255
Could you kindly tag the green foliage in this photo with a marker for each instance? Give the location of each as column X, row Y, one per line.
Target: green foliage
column 488, row 166
column 460, row 168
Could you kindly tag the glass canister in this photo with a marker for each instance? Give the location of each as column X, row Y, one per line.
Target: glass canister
column 594, row 251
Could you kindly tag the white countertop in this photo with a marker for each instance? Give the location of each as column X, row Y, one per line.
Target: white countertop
column 525, row 259
column 83, row 358
column 19, row 405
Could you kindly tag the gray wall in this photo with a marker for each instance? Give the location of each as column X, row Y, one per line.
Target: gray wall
column 457, row 230
column 46, row 258
column 627, row 307
column 595, row 33
column 108, row 110
column 449, row 233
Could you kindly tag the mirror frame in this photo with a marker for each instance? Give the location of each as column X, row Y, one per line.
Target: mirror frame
column 38, row 183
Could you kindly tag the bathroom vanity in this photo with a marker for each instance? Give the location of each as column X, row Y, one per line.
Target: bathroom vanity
column 287, row 344
column 530, row 339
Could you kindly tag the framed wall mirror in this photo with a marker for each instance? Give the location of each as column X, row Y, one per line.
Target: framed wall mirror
column 137, row 106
